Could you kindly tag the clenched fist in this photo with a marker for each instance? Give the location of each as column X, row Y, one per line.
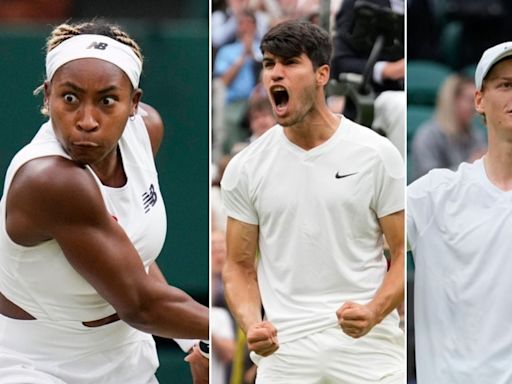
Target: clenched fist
column 262, row 338
column 356, row 320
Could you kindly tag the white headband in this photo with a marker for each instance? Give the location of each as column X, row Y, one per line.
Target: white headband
column 96, row 47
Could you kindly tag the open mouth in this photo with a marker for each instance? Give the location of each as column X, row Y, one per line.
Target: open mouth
column 281, row 98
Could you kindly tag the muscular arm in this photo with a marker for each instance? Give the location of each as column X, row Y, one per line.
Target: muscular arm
column 391, row 292
column 241, row 287
column 240, row 280
column 356, row 320
column 53, row 198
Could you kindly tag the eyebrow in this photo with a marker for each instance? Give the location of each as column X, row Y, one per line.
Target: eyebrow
column 78, row 89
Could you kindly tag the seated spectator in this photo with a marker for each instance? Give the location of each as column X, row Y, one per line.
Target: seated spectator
column 387, row 76
column 450, row 137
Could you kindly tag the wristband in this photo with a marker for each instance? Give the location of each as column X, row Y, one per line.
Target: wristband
column 204, row 348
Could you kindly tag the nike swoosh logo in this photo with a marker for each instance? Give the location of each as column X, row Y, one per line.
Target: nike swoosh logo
column 338, row 176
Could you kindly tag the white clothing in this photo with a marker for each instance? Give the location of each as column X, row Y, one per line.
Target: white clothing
column 222, row 327
column 459, row 232
column 332, row 357
column 66, row 352
column 319, row 235
column 389, row 116
column 40, row 280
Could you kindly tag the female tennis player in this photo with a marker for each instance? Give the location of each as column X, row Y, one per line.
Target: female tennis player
column 82, row 222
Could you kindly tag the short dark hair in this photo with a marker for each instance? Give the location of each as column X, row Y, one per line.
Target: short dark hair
column 293, row 37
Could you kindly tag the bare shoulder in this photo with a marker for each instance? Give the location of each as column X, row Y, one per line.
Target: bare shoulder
column 47, row 192
column 154, row 125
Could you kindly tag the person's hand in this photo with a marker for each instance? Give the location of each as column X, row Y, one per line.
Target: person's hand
column 262, row 338
column 394, row 70
column 356, row 320
column 199, row 366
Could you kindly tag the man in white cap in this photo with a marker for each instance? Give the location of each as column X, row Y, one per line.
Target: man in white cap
column 459, row 232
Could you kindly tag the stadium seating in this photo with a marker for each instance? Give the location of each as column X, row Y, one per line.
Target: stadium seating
column 423, row 80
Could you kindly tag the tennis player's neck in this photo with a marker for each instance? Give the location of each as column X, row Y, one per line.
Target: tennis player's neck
column 111, row 170
column 311, row 133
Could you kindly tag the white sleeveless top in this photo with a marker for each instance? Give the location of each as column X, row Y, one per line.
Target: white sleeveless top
column 39, row 279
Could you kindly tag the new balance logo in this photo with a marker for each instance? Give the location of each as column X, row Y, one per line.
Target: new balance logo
column 149, row 198
column 96, row 45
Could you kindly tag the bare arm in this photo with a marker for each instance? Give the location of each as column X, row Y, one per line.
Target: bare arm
column 391, row 292
column 53, row 198
column 240, row 280
column 357, row 320
column 154, row 125
column 241, row 287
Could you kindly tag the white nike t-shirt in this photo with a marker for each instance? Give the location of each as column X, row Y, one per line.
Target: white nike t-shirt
column 460, row 232
column 317, row 211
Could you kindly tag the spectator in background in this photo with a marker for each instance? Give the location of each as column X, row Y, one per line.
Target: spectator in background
column 388, row 72
column 225, row 23
column 218, row 240
column 260, row 118
column 237, row 65
column 223, row 334
column 450, row 137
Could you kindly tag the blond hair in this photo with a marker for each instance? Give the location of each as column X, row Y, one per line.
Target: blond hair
column 446, row 102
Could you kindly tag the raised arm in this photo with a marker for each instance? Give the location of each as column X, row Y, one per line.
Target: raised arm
column 241, row 287
column 53, row 198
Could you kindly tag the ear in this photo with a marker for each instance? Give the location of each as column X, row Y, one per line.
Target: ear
column 136, row 95
column 47, row 92
column 479, row 102
column 322, row 75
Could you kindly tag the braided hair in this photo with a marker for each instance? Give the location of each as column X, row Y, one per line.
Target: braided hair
column 66, row 31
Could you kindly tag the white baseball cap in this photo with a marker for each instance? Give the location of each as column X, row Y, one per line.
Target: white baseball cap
column 490, row 57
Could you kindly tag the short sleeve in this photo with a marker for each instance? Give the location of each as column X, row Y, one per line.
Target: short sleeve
column 235, row 193
column 418, row 209
column 389, row 180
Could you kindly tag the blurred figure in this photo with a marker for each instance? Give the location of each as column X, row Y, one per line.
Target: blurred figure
column 223, row 335
column 224, row 21
column 451, row 137
column 223, row 341
column 387, row 76
column 218, row 259
column 260, row 119
column 18, row 11
column 237, row 65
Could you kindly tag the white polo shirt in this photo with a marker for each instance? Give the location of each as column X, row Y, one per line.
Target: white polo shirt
column 317, row 211
column 460, row 232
